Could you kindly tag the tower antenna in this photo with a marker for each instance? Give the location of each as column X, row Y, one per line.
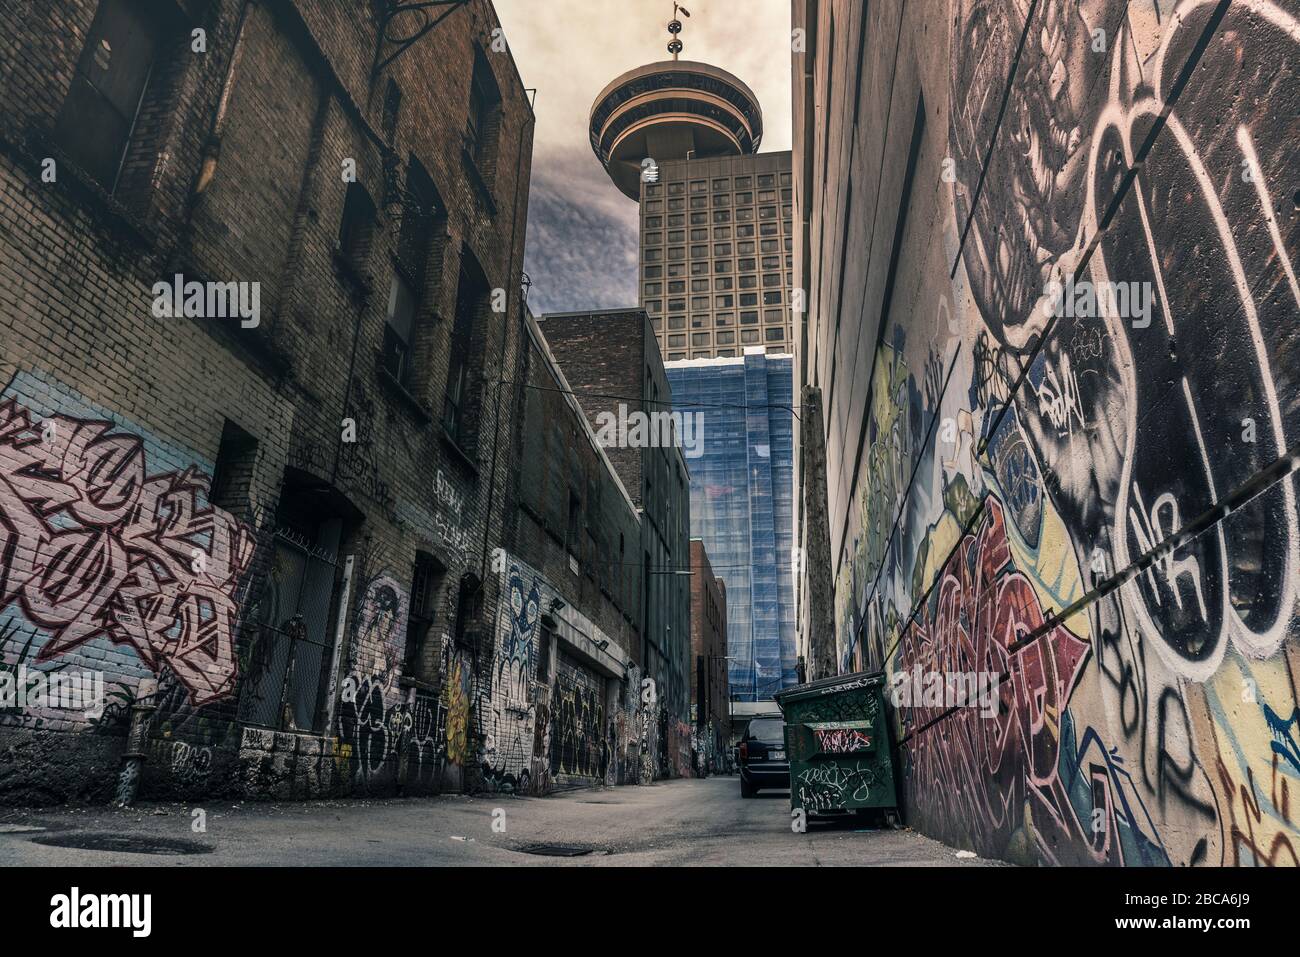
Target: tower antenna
column 675, row 45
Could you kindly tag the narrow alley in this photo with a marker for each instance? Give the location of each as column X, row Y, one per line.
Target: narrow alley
column 679, row 822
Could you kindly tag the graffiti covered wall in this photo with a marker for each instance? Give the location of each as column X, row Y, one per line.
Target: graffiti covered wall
column 179, row 491
column 113, row 563
column 115, row 567
column 372, row 706
column 1023, row 448
column 548, row 717
column 545, row 719
column 518, row 725
column 103, row 544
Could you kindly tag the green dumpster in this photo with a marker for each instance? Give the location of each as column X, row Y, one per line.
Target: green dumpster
column 837, row 741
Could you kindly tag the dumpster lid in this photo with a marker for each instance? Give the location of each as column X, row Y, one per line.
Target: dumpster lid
column 858, row 679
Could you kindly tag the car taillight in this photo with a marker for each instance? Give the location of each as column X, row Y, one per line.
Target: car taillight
column 744, row 751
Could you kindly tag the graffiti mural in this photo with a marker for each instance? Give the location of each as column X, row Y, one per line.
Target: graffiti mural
column 459, row 691
column 546, row 716
column 371, row 711
column 97, row 542
column 422, row 733
column 579, row 743
column 510, row 737
column 1019, row 455
column 986, row 771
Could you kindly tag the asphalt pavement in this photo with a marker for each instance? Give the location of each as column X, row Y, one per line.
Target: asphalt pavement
column 673, row 823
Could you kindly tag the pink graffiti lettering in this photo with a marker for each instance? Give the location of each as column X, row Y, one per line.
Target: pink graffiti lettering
column 92, row 545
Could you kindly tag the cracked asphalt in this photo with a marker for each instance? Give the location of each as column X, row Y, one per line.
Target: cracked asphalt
column 670, row 823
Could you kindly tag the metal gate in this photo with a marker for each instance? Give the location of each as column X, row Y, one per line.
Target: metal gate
column 289, row 650
column 579, row 743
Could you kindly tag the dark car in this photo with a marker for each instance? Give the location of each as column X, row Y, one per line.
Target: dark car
column 763, row 763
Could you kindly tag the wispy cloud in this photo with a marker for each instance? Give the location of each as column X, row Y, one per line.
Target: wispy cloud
column 582, row 236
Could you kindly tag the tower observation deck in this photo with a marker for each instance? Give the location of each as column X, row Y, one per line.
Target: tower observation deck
column 673, row 109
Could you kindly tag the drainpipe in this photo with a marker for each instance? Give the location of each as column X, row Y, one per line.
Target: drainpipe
column 212, row 148
column 336, row 655
column 515, row 286
column 137, row 742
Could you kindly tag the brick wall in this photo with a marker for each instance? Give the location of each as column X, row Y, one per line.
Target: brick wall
column 710, row 704
column 614, row 366
column 113, row 417
column 561, row 457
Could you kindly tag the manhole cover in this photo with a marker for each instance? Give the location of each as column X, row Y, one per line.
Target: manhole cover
column 555, row 850
column 123, row 843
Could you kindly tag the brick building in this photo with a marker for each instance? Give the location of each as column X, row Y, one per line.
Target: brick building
column 709, row 696
column 284, row 517
column 613, row 363
column 566, row 697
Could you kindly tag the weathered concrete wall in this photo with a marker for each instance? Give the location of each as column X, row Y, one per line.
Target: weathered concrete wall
column 994, row 459
column 817, row 604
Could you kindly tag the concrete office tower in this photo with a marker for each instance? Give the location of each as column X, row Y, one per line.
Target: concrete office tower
column 717, row 255
column 716, row 259
column 741, row 480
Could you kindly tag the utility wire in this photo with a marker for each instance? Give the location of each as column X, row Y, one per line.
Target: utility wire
column 1259, row 483
column 665, row 568
column 1126, row 184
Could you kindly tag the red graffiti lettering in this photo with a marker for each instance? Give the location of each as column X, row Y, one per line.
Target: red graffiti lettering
column 975, row 775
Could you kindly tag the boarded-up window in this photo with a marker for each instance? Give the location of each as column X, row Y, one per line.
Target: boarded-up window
column 103, row 102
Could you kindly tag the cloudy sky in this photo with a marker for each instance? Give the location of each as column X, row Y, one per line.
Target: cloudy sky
column 582, row 242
